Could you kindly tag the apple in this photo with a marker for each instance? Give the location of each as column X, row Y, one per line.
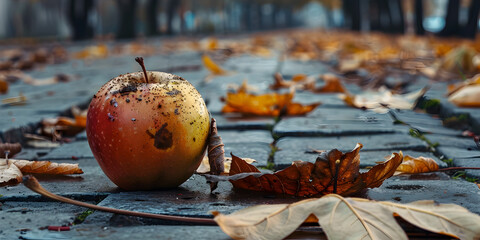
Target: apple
column 148, row 130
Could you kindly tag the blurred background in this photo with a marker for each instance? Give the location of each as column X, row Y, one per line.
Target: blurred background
column 120, row 19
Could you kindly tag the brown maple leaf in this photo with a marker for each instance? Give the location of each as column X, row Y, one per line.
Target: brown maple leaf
column 333, row 172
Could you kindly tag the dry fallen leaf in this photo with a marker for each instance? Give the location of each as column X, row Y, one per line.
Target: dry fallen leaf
column 411, row 165
column 92, row 52
column 15, row 101
column 12, row 170
column 212, row 66
column 468, row 96
column 349, row 218
column 11, row 148
column 46, row 167
column 270, row 104
column 333, row 172
column 332, row 84
column 204, row 167
column 9, row 173
column 383, row 100
column 56, row 127
column 3, row 86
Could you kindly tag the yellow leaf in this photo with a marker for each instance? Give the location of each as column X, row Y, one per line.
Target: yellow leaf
column 212, row 66
column 412, row 165
column 270, row 104
column 349, row 218
column 46, row 167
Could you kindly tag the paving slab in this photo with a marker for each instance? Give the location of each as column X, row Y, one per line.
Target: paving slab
column 462, row 158
column 192, row 198
column 244, row 136
column 20, row 219
column 311, row 126
column 459, row 192
column 239, row 122
column 466, row 143
column 88, row 232
column 298, row 148
column 92, row 184
column 68, row 151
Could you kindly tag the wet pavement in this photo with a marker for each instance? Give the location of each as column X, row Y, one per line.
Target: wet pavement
column 26, row 215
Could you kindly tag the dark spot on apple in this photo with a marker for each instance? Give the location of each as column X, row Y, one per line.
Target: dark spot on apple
column 127, row 89
column 162, row 138
column 159, row 106
column 127, row 100
column 110, row 117
column 176, row 111
column 173, row 92
column 194, row 139
column 113, row 102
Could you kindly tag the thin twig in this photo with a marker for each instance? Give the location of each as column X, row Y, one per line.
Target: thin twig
column 32, row 183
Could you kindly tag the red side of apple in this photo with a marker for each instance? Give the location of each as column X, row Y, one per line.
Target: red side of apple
column 148, row 135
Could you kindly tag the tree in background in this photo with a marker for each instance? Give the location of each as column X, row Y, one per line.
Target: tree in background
column 78, row 12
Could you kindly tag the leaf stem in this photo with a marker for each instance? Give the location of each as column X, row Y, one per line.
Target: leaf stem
column 140, row 61
column 335, row 177
column 32, row 183
column 458, row 168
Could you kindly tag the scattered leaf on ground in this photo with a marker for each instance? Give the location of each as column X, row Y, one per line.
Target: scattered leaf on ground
column 92, row 52
column 212, row 66
column 412, row 165
column 270, row 104
column 60, row 126
column 11, row 148
column 332, row 84
column 349, row 218
column 204, row 167
column 333, row 172
column 3, row 86
column 15, row 101
column 9, row 173
column 383, row 100
column 46, row 167
column 466, row 93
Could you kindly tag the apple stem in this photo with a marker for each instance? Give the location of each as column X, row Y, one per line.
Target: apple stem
column 140, row 61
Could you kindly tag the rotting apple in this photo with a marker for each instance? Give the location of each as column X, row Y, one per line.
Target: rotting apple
column 148, row 130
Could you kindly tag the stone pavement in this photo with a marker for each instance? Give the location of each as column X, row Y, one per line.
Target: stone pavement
column 25, row 214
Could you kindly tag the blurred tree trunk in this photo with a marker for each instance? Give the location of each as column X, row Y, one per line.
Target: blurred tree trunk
column 419, row 29
column 396, row 16
column 470, row 30
column 451, row 20
column 351, row 13
column 172, row 7
column 151, row 11
column 78, row 17
column 127, row 18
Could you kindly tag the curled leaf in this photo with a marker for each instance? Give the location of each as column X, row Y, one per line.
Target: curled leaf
column 363, row 218
column 411, row 165
column 468, row 96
